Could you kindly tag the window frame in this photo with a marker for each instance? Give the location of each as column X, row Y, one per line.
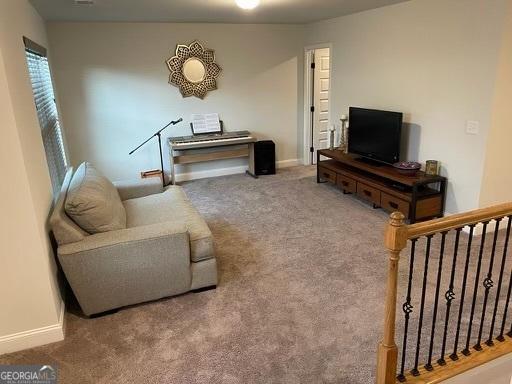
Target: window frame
column 47, row 112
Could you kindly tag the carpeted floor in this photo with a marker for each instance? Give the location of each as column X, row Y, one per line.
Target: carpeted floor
column 300, row 297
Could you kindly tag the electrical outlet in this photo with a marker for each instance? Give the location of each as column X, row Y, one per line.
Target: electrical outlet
column 472, row 127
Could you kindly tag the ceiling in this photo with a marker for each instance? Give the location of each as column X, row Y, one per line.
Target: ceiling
column 210, row 11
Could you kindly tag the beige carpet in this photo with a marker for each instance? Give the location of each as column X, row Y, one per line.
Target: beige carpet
column 300, row 297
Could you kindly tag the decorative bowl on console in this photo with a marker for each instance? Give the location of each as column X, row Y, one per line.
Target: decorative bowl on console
column 407, row 167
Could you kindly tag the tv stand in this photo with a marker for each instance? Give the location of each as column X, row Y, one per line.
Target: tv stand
column 418, row 196
column 368, row 161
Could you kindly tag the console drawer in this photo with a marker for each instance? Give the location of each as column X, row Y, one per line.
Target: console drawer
column 368, row 193
column 346, row 184
column 327, row 174
column 429, row 207
column 391, row 203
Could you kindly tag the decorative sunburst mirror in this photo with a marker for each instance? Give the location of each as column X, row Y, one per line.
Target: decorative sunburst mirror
column 193, row 70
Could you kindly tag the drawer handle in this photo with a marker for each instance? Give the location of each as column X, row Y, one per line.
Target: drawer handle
column 344, row 183
column 367, row 193
column 393, row 205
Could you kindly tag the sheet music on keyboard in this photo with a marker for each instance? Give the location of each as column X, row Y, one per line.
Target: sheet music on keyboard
column 205, row 123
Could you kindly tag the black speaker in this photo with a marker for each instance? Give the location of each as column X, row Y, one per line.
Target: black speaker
column 264, row 158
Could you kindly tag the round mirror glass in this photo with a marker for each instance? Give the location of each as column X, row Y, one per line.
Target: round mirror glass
column 194, row 70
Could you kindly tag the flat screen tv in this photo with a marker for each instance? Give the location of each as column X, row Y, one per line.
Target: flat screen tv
column 375, row 134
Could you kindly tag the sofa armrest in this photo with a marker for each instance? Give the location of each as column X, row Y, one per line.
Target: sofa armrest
column 131, row 189
column 176, row 232
column 129, row 266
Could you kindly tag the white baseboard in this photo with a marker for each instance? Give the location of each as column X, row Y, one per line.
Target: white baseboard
column 210, row 173
column 288, row 163
column 34, row 337
column 228, row 171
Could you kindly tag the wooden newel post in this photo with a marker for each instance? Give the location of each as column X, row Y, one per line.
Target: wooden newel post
column 395, row 240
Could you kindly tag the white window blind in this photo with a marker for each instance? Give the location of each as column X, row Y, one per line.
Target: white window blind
column 46, row 107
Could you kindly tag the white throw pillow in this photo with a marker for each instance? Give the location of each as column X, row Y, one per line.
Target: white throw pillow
column 93, row 202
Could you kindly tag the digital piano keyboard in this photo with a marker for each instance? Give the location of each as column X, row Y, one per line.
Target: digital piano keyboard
column 187, row 149
column 208, row 141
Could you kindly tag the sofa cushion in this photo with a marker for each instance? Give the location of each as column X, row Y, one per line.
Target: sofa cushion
column 172, row 205
column 64, row 229
column 93, row 202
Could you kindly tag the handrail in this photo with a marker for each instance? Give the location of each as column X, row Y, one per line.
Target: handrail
column 396, row 238
column 458, row 220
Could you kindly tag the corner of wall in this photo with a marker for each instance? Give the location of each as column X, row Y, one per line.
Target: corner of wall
column 34, row 337
column 497, row 178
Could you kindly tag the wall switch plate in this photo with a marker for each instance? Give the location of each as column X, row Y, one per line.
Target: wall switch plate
column 472, row 127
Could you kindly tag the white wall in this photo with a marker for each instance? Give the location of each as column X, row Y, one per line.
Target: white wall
column 433, row 60
column 30, row 299
column 497, row 179
column 113, row 87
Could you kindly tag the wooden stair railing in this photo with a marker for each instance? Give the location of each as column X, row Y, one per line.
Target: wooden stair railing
column 473, row 289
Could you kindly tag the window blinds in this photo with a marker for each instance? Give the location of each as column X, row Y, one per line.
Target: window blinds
column 46, row 107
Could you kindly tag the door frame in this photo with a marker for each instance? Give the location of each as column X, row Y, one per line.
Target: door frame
column 306, row 154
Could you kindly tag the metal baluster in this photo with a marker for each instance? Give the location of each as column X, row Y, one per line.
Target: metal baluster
column 449, row 296
column 489, row 341
column 415, row 371
column 407, row 308
column 507, row 301
column 466, row 351
column 488, row 284
column 454, row 356
column 502, row 330
column 428, row 366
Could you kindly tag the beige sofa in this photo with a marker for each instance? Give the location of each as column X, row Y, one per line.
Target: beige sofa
column 164, row 249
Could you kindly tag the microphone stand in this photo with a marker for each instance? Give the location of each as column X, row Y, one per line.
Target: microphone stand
column 159, row 135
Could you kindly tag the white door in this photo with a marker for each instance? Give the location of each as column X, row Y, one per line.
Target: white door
column 320, row 100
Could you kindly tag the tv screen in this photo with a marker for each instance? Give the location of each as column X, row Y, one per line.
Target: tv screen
column 375, row 134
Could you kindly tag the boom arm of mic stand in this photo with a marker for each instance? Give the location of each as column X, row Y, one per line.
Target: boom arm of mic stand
column 149, row 138
column 159, row 135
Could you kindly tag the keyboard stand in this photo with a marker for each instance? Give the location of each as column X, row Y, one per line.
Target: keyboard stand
column 251, row 171
column 226, row 151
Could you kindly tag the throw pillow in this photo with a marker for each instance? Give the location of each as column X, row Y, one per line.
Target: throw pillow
column 93, row 202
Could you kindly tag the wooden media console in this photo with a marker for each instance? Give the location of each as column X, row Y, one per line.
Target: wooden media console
column 419, row 196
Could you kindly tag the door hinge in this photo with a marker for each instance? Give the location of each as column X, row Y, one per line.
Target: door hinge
column 313, row 65
column 312, row 109
column 311, row 149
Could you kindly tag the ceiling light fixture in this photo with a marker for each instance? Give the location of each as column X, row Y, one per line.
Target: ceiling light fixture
column 247, row 4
